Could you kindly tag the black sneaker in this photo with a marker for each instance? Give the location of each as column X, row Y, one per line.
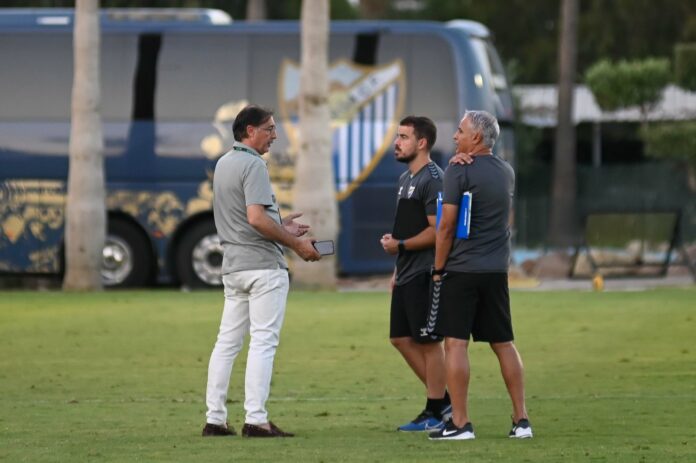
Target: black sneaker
column 218, row 430
column 521, row 430
column 452, row 432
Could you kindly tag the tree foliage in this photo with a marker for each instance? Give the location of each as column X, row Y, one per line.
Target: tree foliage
column 685, row 65
column 617, row 29
column 671, row 140
column 628, row 83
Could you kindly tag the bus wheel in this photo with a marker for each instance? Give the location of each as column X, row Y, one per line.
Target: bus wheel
column 199, row 257
column 126, row 258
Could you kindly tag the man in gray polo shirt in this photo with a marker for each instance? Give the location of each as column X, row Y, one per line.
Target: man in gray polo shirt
column 254, row 273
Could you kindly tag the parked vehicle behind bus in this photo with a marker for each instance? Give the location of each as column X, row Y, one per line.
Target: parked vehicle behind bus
column 170, row 88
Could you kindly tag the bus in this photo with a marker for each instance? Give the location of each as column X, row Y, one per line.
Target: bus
column 170, row 89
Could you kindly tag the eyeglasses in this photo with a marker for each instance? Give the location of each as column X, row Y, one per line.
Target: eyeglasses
column 270, row 129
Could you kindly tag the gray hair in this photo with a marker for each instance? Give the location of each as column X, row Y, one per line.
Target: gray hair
column 486, row 124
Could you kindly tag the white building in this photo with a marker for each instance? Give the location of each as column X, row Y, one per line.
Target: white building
column 538, row 108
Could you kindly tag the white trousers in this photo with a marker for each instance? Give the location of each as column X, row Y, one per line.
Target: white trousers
column 255, row 304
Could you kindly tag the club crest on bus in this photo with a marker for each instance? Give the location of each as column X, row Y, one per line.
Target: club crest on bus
column 366, row 103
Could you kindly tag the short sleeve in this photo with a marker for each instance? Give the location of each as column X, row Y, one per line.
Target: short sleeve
column 257, row 185
column 454, row 185
column 431, row 189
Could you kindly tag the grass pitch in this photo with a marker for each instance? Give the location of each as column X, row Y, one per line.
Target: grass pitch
column 120, row 376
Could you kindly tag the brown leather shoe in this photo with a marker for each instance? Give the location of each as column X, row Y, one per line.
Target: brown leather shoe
column 218, row 430
column 251, row 430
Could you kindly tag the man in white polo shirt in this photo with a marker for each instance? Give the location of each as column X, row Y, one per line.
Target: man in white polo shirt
column 254, row 273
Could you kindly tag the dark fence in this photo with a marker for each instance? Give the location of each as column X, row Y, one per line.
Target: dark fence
column 640, row 187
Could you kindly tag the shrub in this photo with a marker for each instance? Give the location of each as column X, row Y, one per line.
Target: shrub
column 628, row 83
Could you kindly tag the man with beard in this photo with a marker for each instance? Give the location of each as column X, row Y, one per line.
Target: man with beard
column 413, row 241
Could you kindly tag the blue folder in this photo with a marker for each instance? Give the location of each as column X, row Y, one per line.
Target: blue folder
column 464, row 217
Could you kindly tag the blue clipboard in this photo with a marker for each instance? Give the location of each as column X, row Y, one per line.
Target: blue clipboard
column 464, row 217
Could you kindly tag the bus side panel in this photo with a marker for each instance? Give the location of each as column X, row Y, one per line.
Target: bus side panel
column 31, row 225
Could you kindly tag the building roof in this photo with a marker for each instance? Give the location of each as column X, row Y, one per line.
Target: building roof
column 537, row 106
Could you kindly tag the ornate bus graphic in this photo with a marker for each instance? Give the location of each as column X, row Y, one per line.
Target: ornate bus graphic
column 366, row 103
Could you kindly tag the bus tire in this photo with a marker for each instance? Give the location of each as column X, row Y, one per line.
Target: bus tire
column 127, row 257
column 199, row 257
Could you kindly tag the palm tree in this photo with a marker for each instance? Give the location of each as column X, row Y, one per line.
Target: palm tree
column 314, row 191
column 563, row 221
column 86, row 216
column 373, row 9
column 256, row 10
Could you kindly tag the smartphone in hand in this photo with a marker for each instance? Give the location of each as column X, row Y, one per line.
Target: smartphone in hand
column 325, row 248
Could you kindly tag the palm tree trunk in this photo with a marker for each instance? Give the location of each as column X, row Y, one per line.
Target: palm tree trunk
column 256, row 10
column 563, row 223
column 86, row 217
column 314, row 191
column 372, row 9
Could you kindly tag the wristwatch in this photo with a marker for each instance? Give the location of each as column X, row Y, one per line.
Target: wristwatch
column 402, row 246
column 436, row 271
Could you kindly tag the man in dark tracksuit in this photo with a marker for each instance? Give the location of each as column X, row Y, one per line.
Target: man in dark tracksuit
column 413, row 241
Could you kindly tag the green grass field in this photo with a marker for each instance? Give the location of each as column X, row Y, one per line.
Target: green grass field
column 120, row 376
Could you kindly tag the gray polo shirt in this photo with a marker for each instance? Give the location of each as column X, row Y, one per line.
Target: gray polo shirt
column 241, row 179
column 492, row 183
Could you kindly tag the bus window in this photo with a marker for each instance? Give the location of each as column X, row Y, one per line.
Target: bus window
column 197, row 74
column 119, row 53
column 267, row 55
column 488, row 58
column 365, row 51
column 494, row 74
column 37, row 80
column 432, row 78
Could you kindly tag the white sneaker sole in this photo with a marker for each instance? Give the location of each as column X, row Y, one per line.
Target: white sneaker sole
column 462, row 436
column 419, row 430
column 522, row 434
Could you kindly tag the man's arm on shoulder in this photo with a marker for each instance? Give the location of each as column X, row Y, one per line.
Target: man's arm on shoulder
column 461, row 159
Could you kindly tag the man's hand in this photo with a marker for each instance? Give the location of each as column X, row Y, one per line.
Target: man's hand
column 392, row 282
column 295, row 228
column 461, row 158
column 305, row 249
column 390, row 245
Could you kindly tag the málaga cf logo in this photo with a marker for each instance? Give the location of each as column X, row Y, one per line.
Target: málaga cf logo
column 366, row 104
